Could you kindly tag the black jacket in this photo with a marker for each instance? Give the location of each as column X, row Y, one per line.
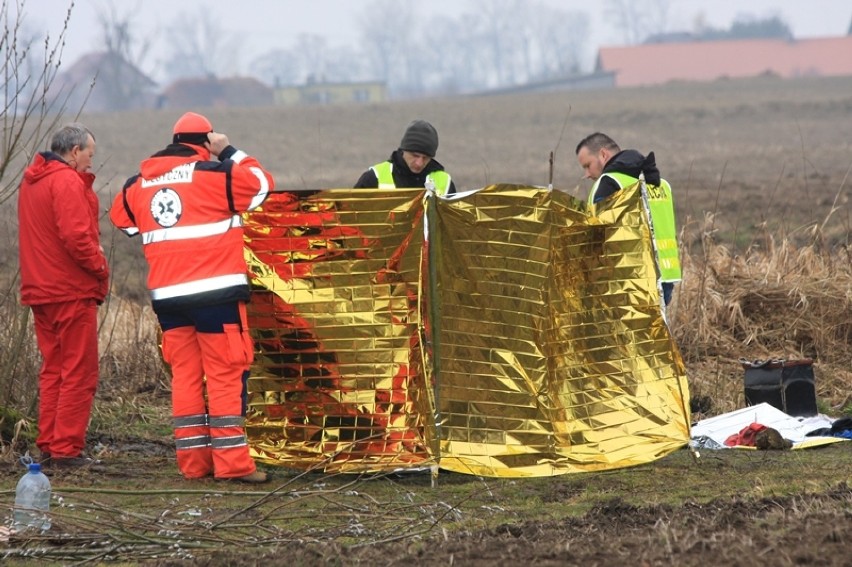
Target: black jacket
column 629, row 162
column 402, row 176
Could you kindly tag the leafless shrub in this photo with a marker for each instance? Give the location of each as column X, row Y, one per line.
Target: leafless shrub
column 31, row 111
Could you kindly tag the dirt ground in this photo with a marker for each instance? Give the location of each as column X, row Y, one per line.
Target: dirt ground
column 614, row 533
column 747, row 533
column 731, row 508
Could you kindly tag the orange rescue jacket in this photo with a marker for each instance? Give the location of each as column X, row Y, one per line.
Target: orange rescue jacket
column 187, row 209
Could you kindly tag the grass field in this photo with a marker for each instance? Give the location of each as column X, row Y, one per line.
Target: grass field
column 759, row 169
column 753, row 151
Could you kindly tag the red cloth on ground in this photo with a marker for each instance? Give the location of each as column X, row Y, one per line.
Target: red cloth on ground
column 745, row 438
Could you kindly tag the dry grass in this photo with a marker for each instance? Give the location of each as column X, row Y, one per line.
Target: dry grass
column 776, row 301
column 133, row 393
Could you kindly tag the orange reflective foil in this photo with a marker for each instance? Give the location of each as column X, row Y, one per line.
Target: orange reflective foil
column 338, row 382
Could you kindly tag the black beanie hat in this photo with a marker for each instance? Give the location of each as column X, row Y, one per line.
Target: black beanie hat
column 420, row 137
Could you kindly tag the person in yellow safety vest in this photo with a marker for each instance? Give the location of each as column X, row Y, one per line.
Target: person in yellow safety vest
column 412, row 165
column 613, row 169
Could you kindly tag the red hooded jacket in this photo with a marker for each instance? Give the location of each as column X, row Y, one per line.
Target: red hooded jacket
column 58, row 235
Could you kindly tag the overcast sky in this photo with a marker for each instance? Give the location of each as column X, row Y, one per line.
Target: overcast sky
column 264, row 25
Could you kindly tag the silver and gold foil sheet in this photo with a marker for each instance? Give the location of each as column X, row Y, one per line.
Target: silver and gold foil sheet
column 506, row 332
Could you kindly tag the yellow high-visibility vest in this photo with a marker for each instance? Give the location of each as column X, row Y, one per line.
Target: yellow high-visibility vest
column 663, row 224
column 384, row 173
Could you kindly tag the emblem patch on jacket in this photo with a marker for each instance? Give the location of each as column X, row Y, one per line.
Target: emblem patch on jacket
column 166, row 207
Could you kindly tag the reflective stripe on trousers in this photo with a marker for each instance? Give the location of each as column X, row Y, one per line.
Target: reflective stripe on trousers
column 207, row 370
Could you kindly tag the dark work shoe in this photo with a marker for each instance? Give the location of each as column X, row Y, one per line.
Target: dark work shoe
column 257, row 477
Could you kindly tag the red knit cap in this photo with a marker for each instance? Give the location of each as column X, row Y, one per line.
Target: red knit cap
column 192, row 123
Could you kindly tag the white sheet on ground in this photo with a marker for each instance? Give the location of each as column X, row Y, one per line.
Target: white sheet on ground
column 721, row 427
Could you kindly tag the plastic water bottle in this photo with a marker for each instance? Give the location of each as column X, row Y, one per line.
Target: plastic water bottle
column 32, row 501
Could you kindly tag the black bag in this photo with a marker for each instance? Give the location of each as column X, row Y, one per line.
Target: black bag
column 784, row 384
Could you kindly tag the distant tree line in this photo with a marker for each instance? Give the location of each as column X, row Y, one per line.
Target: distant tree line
column 646, row 21
column 748, row 28
column 773, row 27
column 500, row 43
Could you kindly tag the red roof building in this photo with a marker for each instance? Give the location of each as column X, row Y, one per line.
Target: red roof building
column 653, row 64
column 103, row 82
column 216, row 92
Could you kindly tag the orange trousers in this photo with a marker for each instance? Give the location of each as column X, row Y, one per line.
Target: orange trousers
column 208, row 357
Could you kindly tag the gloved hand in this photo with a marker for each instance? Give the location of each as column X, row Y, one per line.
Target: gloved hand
column 649, row 169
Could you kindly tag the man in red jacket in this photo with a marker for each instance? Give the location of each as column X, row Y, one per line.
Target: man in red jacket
column 64, row 277
column 187, row 209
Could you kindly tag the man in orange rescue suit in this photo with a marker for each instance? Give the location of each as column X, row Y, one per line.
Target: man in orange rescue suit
column 187, row 209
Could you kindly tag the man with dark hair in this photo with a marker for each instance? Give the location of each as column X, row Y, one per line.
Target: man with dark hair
column 187, row 208
column 613, row 169
column 412, row 165
column 64, row 277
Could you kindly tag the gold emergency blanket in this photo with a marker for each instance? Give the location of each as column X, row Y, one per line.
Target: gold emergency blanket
column 526, row 339
column 553, row 354
column 338, row 381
